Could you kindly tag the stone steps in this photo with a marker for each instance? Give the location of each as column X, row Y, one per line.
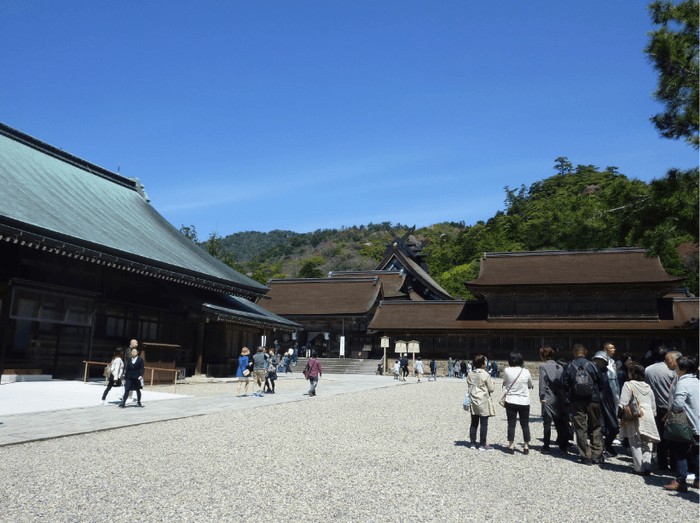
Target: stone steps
column 341, row 366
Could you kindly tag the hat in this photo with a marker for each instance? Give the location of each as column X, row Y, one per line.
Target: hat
column 406, row 354
column 600, row 355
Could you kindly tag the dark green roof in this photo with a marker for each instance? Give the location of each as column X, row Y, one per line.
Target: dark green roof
column 52, row 195
column 241, row 310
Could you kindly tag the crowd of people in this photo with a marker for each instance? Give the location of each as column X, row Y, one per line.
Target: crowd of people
column 599, row 403
column 263, row 369
column 461, row 369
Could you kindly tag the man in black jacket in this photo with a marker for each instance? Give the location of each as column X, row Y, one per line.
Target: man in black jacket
column 133, row 375
column 584, row 383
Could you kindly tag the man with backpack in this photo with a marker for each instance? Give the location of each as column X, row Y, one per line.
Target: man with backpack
column 584, row 382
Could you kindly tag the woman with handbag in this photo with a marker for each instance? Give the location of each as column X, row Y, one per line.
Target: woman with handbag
column 481, row 406
column 518, row 382
column 637, row 410
column 243, row 372
column 686, row 404
column 116, row 371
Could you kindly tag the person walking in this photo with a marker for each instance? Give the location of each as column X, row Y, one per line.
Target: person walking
column 243, row 373
column 116, row 371
column 480, row 386
column 259, row 365
column 641, row 431
column 583, row 383
column 295, row 355
column 433, row 370
column 463, row 369
column 271, row 374
column 518, row 382
column 450, row 367
column 456, row 368
column 404, row 367
column 133, row 376
column 418, row 368
column 315, row 371
column 287, row 361
column 553, row 401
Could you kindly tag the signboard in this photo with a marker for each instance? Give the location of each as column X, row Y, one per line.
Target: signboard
column 385, row 342
column 400, row 346
column 414, row 347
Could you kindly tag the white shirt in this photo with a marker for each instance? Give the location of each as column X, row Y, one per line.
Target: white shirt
column 519, row 394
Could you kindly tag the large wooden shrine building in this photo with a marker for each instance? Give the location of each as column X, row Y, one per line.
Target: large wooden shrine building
column 86, row 264
column 524, row 300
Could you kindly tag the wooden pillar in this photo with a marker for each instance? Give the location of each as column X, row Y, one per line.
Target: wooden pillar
column 5, row 325
column 199, row 348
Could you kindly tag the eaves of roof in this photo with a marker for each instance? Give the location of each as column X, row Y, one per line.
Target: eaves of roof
column 59, row 202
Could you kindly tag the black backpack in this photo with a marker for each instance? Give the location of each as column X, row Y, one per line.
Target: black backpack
column 584, row 386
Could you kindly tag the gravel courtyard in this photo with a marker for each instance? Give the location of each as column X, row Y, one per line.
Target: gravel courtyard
column 393, row 454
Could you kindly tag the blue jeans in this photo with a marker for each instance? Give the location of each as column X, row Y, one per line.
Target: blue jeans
column 313, row 381
column 686, row 458
column 450, row 372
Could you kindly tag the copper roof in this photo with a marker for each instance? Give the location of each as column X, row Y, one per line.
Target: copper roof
column 63, row 204
column 459, row 316
column 322, row 296
column 605, row 266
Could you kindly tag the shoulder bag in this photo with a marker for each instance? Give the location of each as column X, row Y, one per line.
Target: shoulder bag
column 677, row 427
column 633, row 410
column 502, row 401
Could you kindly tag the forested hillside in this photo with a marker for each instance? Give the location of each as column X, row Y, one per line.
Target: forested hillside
column 581, row 207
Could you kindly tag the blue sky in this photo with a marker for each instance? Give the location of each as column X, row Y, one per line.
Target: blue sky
column 300, row 115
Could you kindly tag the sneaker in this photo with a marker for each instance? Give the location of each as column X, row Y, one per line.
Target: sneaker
column 486, row 448
column 473, row 446
column 545, row 450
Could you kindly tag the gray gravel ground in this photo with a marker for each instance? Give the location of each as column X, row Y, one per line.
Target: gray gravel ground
column 395, row 454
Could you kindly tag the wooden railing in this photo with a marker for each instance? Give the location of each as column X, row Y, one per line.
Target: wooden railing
column 152, row 369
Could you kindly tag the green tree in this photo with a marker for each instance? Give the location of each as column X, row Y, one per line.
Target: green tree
column 453, row 280
column 310, row 268
column 673, row 52
column 189, row 232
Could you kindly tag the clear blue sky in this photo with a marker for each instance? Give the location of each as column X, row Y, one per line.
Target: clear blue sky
column 261, row 115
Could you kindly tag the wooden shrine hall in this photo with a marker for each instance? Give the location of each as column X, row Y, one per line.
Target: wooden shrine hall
column 87, row 264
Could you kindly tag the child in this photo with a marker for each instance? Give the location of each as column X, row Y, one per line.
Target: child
column 397, row 369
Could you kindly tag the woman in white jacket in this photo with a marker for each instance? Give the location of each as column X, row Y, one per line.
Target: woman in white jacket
column 117, row 371
column 640, row 431
column 480, row 387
